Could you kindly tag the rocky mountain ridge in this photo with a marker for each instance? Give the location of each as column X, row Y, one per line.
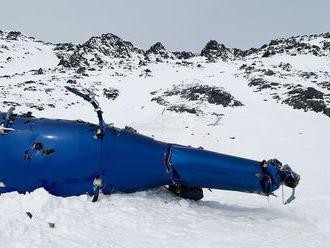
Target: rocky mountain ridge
column 112, row 46
column 292, row 71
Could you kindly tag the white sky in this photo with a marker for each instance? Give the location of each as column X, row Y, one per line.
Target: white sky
column 178, row 24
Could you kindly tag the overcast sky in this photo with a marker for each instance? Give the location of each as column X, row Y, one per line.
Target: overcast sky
column 178, row 24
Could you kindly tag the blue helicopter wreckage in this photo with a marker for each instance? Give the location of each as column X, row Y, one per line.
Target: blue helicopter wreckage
column 69, row 158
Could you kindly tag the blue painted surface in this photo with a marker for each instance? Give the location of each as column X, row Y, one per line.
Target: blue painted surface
column 125, row 161
column 207, row 169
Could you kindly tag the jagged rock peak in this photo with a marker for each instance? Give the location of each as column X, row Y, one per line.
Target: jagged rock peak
column 159, row 51
column 96, row 51
column 105, row 39
column 157, row 48
column 214, row 50
column 111, row 45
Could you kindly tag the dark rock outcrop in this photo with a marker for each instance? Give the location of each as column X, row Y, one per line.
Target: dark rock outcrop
column 13, row 35
column 181, row 108
column 214, row 50
column 184, row 55
column 94, row 50
column 157, row 48
column 201, row 93
column 159, row 51
column 110, row 45
column 110, row 93
column 294, row 46
column 307, row 99
column 262, row 84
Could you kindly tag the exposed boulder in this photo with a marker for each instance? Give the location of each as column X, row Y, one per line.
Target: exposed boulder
column 40, row 71
column 110, row 93
column 146, row 73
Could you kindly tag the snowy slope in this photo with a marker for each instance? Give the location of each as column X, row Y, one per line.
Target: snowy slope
column 190, row 99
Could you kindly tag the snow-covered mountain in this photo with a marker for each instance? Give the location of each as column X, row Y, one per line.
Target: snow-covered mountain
column 260, row 103
column 291, row 71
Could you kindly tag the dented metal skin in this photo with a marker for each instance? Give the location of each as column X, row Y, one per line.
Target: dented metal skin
column 73, row 157
column 65, row 157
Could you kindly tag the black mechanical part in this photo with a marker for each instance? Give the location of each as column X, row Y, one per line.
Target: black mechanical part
column 186, row 192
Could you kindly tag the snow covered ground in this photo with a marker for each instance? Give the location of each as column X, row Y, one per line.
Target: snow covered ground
column 261, row 129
